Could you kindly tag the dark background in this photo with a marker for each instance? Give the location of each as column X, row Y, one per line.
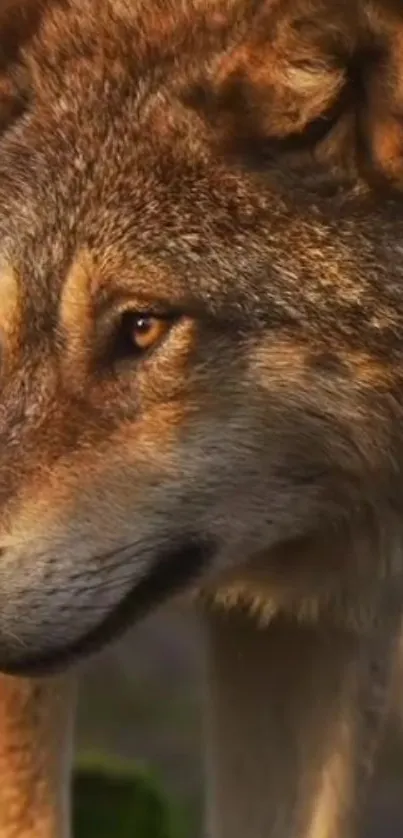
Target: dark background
column 141, row 701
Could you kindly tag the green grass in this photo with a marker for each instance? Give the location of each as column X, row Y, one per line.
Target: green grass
column 114, row 800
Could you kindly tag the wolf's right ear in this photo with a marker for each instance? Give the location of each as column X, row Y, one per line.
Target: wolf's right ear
column 19, row 21
column 322, row 78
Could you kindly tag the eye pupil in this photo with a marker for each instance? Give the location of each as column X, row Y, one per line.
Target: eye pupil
column 142, row 323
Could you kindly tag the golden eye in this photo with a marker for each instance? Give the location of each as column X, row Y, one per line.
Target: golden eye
column 135, row 333
column 138, row 332
column 147, row 330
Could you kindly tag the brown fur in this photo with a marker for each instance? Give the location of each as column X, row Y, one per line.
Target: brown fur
column 236, row 168
column 36, row 718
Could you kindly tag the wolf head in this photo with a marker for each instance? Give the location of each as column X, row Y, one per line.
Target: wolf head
column 201, row 311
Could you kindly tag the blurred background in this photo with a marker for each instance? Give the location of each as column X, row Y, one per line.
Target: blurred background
column 140, row 708
column 140, row 720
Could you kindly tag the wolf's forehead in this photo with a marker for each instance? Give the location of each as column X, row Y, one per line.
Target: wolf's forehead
column 161, row 215
column 140, row 206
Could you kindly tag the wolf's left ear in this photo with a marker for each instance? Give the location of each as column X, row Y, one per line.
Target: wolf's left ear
column 315, row 74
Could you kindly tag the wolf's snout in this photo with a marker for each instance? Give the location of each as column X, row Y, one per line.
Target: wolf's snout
column 50, row 619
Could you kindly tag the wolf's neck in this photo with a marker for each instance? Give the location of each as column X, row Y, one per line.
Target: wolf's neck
column 291, row 727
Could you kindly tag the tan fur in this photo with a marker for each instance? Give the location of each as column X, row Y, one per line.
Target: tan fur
column 35, row 745
column 236, row 169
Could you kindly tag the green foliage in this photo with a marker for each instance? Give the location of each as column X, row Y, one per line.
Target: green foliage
column 116, row 802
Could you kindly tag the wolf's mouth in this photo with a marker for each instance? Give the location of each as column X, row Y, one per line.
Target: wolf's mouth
column 173, row 571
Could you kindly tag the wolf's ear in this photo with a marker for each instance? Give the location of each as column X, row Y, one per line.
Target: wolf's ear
column 19, row 20
column 315, row 75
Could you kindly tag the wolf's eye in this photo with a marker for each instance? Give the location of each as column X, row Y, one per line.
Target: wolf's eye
column 139, row 332
column 147, row 330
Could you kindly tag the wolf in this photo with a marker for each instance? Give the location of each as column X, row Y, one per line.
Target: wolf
column 201, row 332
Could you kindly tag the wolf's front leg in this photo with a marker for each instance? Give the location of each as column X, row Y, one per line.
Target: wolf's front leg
column 36, row 721
column 295, row 714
